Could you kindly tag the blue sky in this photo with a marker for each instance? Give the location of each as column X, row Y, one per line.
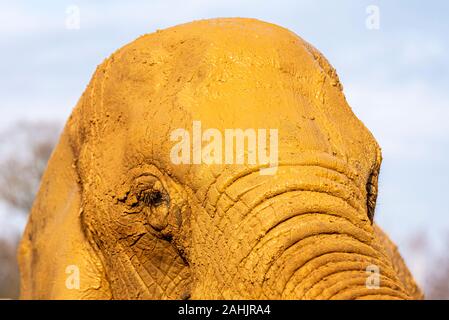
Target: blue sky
column 395, row 78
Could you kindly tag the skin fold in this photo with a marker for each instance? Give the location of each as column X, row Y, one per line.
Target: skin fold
column 114, row 206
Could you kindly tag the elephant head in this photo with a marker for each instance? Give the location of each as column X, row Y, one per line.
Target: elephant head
column 135, row 201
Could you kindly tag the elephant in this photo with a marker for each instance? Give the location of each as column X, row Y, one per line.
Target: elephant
column 118, row 216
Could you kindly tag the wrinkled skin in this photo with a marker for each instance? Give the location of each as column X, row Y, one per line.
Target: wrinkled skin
column 211, row 231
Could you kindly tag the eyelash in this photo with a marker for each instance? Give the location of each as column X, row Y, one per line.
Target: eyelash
column 152, row 198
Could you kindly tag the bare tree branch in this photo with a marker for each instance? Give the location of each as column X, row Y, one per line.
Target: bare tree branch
column 9, row 270
column 30, row 146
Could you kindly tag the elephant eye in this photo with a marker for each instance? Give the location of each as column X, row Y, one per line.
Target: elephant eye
column 371, row 191
column 152, row 198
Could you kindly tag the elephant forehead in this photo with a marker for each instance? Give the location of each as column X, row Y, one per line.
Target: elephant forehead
column 227, row 74
column 229, row 66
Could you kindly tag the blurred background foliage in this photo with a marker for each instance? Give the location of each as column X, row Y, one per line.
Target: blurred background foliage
column 26, row 148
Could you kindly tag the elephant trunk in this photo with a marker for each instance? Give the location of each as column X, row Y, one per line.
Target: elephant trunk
column 302, row 235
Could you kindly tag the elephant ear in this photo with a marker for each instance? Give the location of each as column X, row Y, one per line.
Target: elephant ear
column 399, row 265
column 56, row 261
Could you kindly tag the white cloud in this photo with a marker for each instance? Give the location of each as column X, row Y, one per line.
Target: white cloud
column 17, row 19
column 422, row 52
